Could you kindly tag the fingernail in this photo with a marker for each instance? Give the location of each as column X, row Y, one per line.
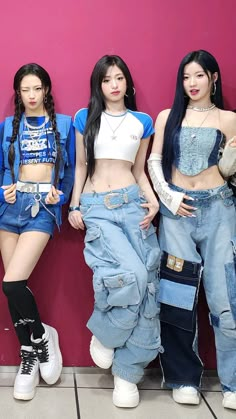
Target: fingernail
column 194, row 216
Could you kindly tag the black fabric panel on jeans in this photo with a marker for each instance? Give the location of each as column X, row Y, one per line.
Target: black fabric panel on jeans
column 180, row 363
column 179, row 317
column 190, row 275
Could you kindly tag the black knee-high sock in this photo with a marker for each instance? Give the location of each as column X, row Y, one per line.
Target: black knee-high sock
column 20, row 296
column 22, row 329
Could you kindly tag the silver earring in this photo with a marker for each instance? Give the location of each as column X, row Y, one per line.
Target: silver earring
column 214, row 89
column 134, row 91
column 126, row 95
column 45, row 99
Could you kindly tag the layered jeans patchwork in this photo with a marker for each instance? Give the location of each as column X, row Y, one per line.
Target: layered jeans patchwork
column 124, row 260
column 208, row 240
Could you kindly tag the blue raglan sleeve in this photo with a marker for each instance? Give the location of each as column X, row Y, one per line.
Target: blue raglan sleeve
column 148, row 126
column 66, row 183
column 80, row 120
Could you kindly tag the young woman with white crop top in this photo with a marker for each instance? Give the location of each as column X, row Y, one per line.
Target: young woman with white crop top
column 197, row 228
column 112, row 197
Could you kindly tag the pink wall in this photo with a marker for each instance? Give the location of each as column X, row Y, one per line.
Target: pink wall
column 67, row 38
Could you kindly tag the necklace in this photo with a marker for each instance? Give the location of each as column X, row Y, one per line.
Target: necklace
column 193, row 129
column 196, row 108
column 114, row 136
column 26, row 123
column 35, row 132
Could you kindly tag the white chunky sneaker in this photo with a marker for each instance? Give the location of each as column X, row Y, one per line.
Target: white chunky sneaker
column 125, row 394
column 102, row 356
column 27, row 377
column 49, row 355
column 186, row 395
column 229, row 400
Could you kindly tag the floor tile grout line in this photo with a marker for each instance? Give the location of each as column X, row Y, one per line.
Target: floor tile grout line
column 209, row 407
column 76, row 397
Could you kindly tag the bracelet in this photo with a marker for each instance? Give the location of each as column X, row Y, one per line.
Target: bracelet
column 73, row 209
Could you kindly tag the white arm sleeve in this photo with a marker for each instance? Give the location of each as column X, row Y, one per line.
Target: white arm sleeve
column 171, row 199
column 227, row 163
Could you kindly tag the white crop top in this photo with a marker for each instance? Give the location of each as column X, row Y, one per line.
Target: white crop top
column 119, row 135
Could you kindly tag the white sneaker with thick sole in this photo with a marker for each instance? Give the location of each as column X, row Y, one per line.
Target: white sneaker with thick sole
column 27, row 377
column 101, row 355
column 49, row 355
column 186, row 395
column 125, row 394
column 229, row 399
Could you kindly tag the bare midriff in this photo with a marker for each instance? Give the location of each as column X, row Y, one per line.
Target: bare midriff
column 109, row 175
column 40, row 172
column 207, row 179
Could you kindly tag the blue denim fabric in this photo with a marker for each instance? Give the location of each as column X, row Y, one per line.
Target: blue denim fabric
column 209, row 239
column 17, row 217
column 124, row 260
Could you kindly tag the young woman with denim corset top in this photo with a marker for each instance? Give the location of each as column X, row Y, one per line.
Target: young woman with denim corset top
column 197, row 228
column 113, row 199
column 36, row 156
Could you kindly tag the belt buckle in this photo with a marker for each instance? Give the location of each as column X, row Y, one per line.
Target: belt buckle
column 107, row 199
column 28, row 188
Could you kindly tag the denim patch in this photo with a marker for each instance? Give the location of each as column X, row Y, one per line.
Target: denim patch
column 176, row 294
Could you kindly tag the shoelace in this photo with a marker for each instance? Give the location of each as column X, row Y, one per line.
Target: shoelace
column 28, row 361
column 42, row 351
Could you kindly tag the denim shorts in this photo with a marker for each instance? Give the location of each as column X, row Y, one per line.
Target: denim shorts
column 17, row 217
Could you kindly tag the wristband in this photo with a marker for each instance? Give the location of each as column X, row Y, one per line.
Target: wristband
column 73, row 209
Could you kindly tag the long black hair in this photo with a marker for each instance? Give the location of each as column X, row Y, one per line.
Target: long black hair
column 42, row 74
column 178, row 109
column 97, row 104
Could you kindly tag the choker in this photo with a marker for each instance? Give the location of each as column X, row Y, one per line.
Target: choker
column 196, row 108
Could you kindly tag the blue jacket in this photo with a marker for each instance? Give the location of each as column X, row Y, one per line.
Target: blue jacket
column 67, row 142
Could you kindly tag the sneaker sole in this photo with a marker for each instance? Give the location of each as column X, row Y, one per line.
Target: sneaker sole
column 97, row 359
column 53, row 379
column 26, row 396
column 124, row 401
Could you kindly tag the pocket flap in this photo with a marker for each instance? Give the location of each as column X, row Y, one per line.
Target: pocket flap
column 119, row 281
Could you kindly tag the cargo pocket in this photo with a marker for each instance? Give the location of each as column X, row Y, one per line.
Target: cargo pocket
column 97, row 251
column 152, row 248
column 122, row 289
column 124, row 299
column 147, row 332
column 230, row 273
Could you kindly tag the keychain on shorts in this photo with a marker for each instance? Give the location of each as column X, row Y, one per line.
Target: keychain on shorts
column 35, row 206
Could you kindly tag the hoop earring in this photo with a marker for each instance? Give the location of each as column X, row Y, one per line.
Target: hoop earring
column 134, row 91
column 214, row 89
column 45, row 99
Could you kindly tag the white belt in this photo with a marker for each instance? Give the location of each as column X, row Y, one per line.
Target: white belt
column 31, row 187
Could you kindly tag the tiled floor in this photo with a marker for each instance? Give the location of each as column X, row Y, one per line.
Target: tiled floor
column 86, row 393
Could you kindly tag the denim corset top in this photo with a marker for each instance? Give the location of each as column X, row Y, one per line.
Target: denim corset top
column 196, row 149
